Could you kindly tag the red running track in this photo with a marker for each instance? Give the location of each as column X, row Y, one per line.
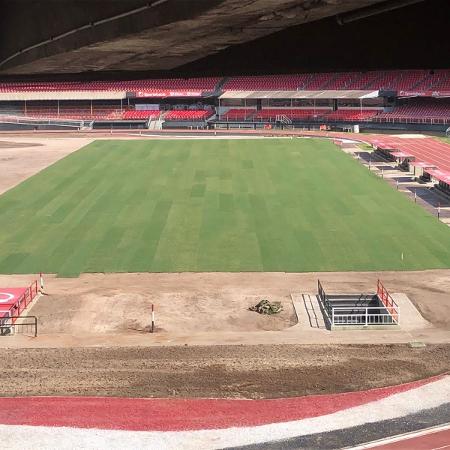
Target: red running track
column 438, row 440
column 427, row 150
column 180, row 414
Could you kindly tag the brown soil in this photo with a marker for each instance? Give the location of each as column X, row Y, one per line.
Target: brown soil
column 13, row 144
column 218, row 371
column 112, row 310
column 23, row 157
column 212, row 309
column 211, row 302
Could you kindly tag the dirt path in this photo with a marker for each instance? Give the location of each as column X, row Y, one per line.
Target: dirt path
column 22, row 157
column 221, row 371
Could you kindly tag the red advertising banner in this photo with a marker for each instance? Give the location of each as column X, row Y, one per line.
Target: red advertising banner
column 167, row 93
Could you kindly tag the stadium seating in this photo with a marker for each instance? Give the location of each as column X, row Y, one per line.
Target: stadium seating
column 291, row 113
column 188, row 84
column 320, row 114
column 112, row 113
column 405, row 80
column 399, row 80
column 391, row 79
column 352, row 114
column 188, row 115
column 239, row 114
column 443, row 83
column 418, row 111
column 318, row 81
column 439, row 80
column 267, row 83
column 408, row 80
column 342, row 81
column 365, row 80
column 140, row 115
column 104, row 112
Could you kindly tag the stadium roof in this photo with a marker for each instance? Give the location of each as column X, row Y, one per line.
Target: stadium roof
column 50, row 37
column 440, row 175
column 402, row 154
column 141, row 34
column 299, row 94
column 423, row 164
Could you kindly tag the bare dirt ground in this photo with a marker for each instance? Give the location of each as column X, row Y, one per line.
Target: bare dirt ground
column 212, row 308
column 101, row 304
column 22, row 157
column 8, row 144
column 221, row 371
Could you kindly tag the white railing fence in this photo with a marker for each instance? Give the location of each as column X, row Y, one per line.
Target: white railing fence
column 361, row 316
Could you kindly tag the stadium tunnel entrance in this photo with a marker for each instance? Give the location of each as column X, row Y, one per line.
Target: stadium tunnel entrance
column 363, row 310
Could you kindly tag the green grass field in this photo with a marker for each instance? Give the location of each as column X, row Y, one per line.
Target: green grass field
column 213, row 205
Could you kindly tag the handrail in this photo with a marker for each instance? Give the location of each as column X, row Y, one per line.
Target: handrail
column 24, row 300
column 387, row 300
column 4, row 325
column 357, row 314
column 346, row 308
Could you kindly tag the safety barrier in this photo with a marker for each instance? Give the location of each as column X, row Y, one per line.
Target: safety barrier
column 359, row 309
column 23, row 301
column 323, row 298
column 46, row 121
column 364, row 316
column 10, row 325
column 388, row 302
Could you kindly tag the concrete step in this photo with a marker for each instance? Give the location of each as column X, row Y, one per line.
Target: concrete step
column 309, row 313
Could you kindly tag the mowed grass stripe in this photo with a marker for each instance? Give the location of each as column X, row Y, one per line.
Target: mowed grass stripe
column 204, row 205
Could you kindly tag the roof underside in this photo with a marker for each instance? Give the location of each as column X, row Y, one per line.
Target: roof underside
column 77, row 36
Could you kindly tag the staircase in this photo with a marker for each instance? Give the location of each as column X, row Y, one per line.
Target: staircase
column 424, row 83
column 155, row 124
column 352, row 79
column 373, row 82
column 87, row 126
column 330, row 81
column 219, row 86
column 306, row 83
column 283, row 119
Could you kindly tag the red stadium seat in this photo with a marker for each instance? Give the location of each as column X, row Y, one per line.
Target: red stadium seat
column 419, row 111
column 153, row 85
column 239, row 114
column 188, row 115
column 140, row 114
column 401, row 80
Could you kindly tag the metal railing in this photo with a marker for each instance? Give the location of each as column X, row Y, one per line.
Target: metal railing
column 324, row 299
column 388, row 302
column 34, row 121
column 360, row 313
column 24, row 300
column 417, row 120
column 363, row 317
column 11, row 325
